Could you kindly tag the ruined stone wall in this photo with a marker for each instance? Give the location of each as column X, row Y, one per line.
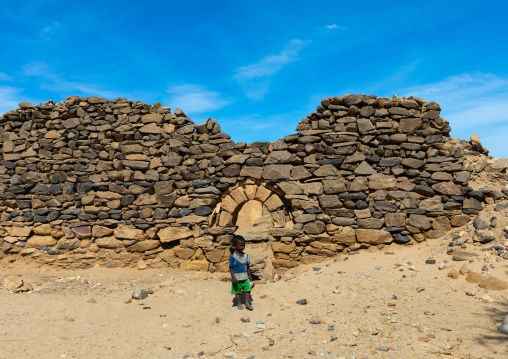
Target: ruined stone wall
column 118, row 183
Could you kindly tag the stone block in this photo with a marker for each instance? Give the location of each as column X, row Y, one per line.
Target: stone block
column 395, row 219
column 346, row 237
column 283, row 248
column 197, row 266
column 273, row 203
column 276, row 171
column 373, row 236
column 170, row 234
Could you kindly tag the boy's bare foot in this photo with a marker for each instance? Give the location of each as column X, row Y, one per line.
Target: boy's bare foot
column 248, row 306
column 240, row 306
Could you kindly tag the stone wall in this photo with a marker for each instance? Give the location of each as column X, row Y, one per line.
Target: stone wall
column 116, row 183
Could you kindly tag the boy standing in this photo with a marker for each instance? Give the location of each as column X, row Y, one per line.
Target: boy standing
column 241, row 277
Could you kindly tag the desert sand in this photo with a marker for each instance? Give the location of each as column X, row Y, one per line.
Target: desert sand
column 386, row 303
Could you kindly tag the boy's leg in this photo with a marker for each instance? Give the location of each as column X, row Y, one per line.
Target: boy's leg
column 248, row 301
column 238, row 300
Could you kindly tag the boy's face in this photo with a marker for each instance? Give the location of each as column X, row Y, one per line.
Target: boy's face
column 240, row 246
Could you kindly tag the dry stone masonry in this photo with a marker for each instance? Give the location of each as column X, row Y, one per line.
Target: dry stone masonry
column 120, row 183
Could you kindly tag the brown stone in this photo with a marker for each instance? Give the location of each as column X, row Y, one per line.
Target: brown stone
column 283, row 248
column 395, row 219
column 108, row 242
column 447, row 188
column 409, row 124
column 419, row 221
column 373, row 236
column 441, row 223
column 127, row 232
column 215, row 255
column 300, row 173
column 291, row 187
column 40, row 241
column 143, row 246
column 381, row 181
column 238, row 195
column 152, row 117
column 327, row 170
column 273, row 203
column 21, row 231
column 432, row 204
column 345, row 237
column 493, row 284
column 316, row 227
column 332, row 186
column 276, row 171
column 460, row 220
column 330, row 201
column 262, row 194
column 412, row 162
column 183, row 252
column 225, row 219
column 251, row 171
column 82, row 232
column 229, row 204
column 197, row 266
column 170, row 234
column 42, row 230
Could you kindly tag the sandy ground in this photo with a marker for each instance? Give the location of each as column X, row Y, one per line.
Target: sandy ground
column 365, row 305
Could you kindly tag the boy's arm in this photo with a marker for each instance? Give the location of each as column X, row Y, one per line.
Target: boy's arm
column 233, row 278
column 250, row 276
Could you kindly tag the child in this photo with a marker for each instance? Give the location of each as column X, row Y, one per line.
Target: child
column 241, row 278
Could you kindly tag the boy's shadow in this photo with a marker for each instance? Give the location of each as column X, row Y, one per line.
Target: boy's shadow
column 243, row 299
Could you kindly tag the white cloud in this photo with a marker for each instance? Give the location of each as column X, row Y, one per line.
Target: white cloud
column 5, row 77
column 196, row 98
column 255, row 78
column 260, row 127
column 54, row 82
column 9, row 99
column 334, row 26
column 47, row 32
column 474, row 103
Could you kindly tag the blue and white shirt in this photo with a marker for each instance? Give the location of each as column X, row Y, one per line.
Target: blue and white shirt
column 239, row 265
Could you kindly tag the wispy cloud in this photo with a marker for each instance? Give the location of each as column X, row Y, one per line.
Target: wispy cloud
column 474, row 103
column 54, row 82
column 255, row 78
column 196, row 98
column 335, row 26
column 5, row 77
column 261, row 128
column 48, row 32
column 9, row 98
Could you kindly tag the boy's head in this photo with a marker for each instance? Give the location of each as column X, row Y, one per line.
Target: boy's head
column 238, row 243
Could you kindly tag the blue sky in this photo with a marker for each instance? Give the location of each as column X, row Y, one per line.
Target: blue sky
column 259, row 67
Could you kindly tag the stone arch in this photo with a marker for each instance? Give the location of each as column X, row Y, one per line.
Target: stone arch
column 252, row 205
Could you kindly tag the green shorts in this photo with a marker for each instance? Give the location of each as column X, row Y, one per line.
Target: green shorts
column 241, row 286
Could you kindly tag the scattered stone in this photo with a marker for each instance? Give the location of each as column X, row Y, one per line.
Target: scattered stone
column 302, row 301
column 16, row 284
column 493, row 284
column 139, row 294
column 487, row 298
column 245, row 319
column 430, row 261
column 471, row 292
column 420, row 289
column 314, row 321
column 503, row 328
